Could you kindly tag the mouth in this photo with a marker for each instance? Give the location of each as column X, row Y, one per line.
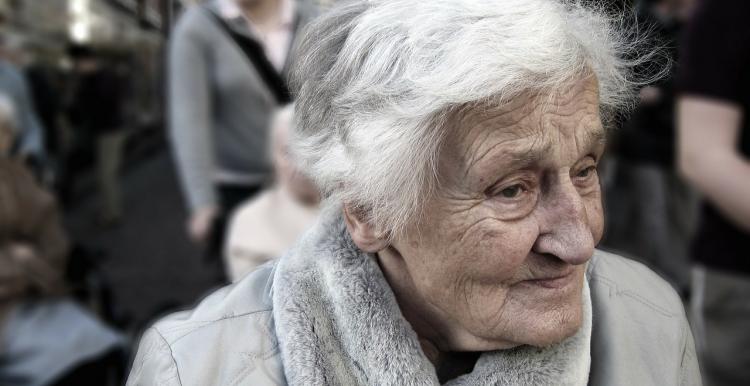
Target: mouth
column 554, row 281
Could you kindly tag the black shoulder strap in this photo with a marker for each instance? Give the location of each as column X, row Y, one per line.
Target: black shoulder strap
column 254, row 52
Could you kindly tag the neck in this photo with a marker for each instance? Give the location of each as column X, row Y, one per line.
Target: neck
column 434, row 334
column 412, row 305
column 260, row 11
column 439, row 336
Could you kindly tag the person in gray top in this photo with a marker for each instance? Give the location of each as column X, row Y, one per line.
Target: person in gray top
column 221, row 104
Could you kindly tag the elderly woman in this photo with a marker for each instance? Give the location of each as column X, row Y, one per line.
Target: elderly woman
column 456, row 143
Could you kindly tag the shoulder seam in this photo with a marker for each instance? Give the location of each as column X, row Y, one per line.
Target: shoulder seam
column 171, row 354
column 687, row 355
column 633, row 295
column 189, row 327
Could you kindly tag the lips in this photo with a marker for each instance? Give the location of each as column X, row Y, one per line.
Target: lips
column 553, row 281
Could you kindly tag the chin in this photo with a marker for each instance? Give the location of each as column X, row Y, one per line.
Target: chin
column 534, row 328
column 548, row 330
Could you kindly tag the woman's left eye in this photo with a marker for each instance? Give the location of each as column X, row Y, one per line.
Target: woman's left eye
column 515, row 198
column 512, row 191
column 586, row 172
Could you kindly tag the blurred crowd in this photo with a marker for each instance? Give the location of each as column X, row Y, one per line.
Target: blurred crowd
column 676, row 181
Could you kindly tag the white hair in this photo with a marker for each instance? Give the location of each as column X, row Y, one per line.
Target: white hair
column 376, row 82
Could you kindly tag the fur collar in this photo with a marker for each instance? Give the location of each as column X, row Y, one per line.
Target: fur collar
column 338, row 323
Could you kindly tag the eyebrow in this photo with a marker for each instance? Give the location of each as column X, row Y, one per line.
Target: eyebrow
column 535, row 153
column 524, row 158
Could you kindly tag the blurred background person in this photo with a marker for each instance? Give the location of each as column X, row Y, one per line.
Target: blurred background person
column 96, row 115
column 651, row 211
column 45, row 83
column 714, row 146
column 45, row 338
column 44, row 88
column 227, row 65
column 266, row 226
column 30, row 136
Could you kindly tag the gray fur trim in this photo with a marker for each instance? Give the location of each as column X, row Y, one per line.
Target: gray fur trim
column 338, row 323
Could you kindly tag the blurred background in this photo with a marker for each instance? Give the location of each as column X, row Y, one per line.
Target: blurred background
column 107, row 226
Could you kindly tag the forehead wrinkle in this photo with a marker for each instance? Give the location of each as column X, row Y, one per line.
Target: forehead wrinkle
column 564, row 96
column 531, row 150
column 525, row 150
column 505, row 115
column 523, row 118
column 583, row 120
column 491, row 119
column 504, row 142
column 591, row 138
column 506, row 133
column 596, row 135
column 534, row 153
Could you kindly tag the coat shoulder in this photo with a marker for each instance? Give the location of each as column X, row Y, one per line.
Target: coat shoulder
column 229, row 338
column 640, row 335
column 633, row 282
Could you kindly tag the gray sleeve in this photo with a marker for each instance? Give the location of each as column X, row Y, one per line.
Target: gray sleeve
column 191, row 111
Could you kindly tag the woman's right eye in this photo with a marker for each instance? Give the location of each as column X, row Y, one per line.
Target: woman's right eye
column 514, row 199
column 512, row 191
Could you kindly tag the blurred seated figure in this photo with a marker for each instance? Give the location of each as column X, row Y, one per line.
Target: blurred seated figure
column 266, row 226
column 21, row 266
column 45, row 339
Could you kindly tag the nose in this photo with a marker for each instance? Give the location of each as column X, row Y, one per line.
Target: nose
column 564, row 226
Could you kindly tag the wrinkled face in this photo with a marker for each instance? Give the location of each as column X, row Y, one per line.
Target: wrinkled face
column 502, row 252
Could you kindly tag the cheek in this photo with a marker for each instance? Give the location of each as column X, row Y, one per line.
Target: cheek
column 595, row 216
column 490, row 250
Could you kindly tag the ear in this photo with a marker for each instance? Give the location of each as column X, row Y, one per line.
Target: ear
column 363, row 233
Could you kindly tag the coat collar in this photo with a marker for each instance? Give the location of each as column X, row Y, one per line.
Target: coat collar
column 338, row 322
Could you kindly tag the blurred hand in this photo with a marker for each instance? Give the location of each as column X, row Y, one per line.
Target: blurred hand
column 200, row 224
column 14, row 279
column 6, row 140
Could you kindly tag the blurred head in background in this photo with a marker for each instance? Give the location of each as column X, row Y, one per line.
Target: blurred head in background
column 85, row 59
column 287, row 173
column 13, row 47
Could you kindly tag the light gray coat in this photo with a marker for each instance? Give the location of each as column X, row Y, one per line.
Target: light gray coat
column 324, row 315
